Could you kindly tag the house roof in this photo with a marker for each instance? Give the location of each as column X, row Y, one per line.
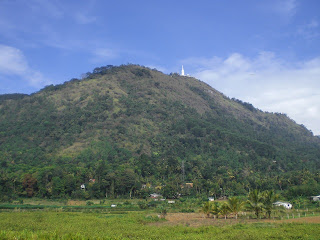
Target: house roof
column 279, row 202
column 155, row 195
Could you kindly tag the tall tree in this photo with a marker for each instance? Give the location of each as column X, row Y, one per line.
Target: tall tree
column 268, row 198
column 215, row 210
column 29, row 184
column 235, row 205
column 207, row 208
column 224, row 210
column 254, row 202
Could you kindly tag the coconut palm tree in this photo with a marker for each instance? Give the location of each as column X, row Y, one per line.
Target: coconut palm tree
column 207, row 208
column 255, row 202
column 235, row 205
column 215, row 210
column 268, row 198
column 224, row 210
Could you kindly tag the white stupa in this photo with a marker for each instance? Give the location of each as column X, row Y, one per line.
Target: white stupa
column 182, row 71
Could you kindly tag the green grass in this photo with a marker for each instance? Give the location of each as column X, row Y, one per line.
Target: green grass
column 135, row 225
column 92, row 208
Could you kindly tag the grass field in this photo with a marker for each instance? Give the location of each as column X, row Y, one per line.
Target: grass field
column 144, row 225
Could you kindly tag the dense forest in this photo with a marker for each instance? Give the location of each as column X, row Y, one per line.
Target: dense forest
column 129, row 131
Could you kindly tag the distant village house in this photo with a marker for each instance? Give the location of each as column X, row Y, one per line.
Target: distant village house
column 155, row 195
column 283, row 204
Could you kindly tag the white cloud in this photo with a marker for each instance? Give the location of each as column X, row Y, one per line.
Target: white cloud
column 47, row 7
column 286, row 8
column 309, row 31
column 269, row 83
column 102, row 54
column 14, row 63
column 12, row 60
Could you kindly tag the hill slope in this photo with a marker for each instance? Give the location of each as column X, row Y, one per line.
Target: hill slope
column 129, row 125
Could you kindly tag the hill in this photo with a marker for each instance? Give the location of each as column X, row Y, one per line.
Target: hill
column 123, row 127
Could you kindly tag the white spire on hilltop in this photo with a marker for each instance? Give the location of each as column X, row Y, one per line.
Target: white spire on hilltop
column 182, row 71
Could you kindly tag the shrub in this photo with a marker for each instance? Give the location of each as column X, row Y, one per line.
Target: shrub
column 162, row 211
column 142, row 205
column 153, row 203
column 187, row 210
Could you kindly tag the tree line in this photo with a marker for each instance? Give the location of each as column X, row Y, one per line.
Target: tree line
column 257, row 202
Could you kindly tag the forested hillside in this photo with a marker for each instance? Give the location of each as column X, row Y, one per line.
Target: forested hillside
column 129, row 131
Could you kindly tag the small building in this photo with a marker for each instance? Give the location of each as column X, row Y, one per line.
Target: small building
column 83, row 186
column 315, row 198
column 210, row 199
column 113, row 205
column 146, row 185
column 171, row 201
column 92, row 180
column 155, row 195
column 283, row 204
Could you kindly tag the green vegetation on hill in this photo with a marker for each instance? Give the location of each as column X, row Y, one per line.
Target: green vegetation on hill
column 128, row 126
column 15, row 96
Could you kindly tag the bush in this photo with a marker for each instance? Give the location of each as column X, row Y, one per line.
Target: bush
column 188, row 210
column 153, row 203
column 89, row 203
column 163, row 211
column 142, row 205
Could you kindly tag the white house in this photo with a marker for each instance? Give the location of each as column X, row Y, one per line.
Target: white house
column 155, row 195
column 83, row 186
column 283, row 204
column 316, row 198
column 210, row 199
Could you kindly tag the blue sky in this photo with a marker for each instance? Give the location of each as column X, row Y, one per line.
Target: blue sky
column 263, row 52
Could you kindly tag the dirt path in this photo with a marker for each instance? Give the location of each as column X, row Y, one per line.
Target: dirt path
column 198, row 219
column 315, row 219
